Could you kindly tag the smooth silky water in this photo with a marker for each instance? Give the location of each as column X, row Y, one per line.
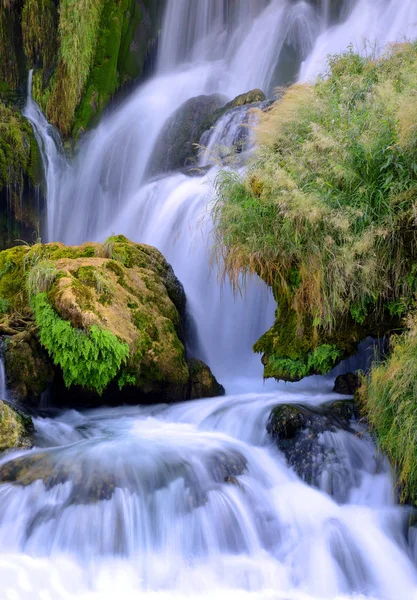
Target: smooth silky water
column 194, row 499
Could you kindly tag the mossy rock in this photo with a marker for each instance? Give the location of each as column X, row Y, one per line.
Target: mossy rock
column 29, row 368
column 15, row 428
column 202, row 382
column 295, row 348
column 107, row 314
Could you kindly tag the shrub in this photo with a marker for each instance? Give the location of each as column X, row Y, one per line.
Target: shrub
column 326, row 211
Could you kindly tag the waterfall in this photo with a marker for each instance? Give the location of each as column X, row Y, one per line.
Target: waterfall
column 195, row 500
column 3, row 382
column 52, row 155
column 207, row 47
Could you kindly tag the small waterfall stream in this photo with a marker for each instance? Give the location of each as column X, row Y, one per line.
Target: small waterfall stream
column 3, row 381
column 195, row 500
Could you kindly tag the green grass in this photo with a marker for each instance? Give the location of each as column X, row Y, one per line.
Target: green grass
column 326, row 212
column 388, row 398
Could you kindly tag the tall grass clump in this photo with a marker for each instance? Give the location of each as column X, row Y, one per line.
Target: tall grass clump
column 326, row 213
column 78, row 30
column 388, row 398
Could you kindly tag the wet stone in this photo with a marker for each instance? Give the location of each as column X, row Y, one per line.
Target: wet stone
column 304, row 435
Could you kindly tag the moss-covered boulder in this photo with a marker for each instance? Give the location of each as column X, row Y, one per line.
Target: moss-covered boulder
column 325, row 211
column 105, row 315
column 15, row 428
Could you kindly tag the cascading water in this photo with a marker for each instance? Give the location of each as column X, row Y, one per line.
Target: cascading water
column 3, row 382
column 195, row 499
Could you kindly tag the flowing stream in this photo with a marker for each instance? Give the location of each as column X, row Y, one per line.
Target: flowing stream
column 195, row 500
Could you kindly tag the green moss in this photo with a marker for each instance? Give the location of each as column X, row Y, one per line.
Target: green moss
column 104, row 76
column 19, row 154
column 318, row 362
column 12, row 277
column 90, row 360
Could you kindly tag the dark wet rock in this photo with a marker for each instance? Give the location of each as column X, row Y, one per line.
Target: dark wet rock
column 202, row 383
column 175, row 147
column 346, row 384
column 304, row 435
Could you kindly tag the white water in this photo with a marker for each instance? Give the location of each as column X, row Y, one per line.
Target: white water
column 3, row 382
column 134, row 503
column 171, row 527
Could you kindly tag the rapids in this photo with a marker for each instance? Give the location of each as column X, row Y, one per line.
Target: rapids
column 194, row 500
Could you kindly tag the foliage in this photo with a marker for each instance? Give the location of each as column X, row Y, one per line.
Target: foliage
column 320, row 360
column 39, row 23
column 17, row 144
column 326, row 213
column 40, row 277
column 78, row 31
column 90, row 359
column 388, row 398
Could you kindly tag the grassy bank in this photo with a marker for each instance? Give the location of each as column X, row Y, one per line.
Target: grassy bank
column 326, row 213
column 388, row 399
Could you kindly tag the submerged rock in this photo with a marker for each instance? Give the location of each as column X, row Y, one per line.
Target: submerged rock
column 108, row 316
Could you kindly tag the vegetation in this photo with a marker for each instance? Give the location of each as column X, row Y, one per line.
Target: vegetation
column 103, row 313
column 326, row 213
column 82, row 52
column 90, row 359
column 388, row 398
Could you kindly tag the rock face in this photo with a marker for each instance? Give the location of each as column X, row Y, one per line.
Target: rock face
column 304, row 435
column 20, row 175
column 77, row 68
column 175, row 147
column 109, row 317
column 15, row 428
column 202, row 382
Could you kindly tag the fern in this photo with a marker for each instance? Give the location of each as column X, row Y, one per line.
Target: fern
column 90, row 360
